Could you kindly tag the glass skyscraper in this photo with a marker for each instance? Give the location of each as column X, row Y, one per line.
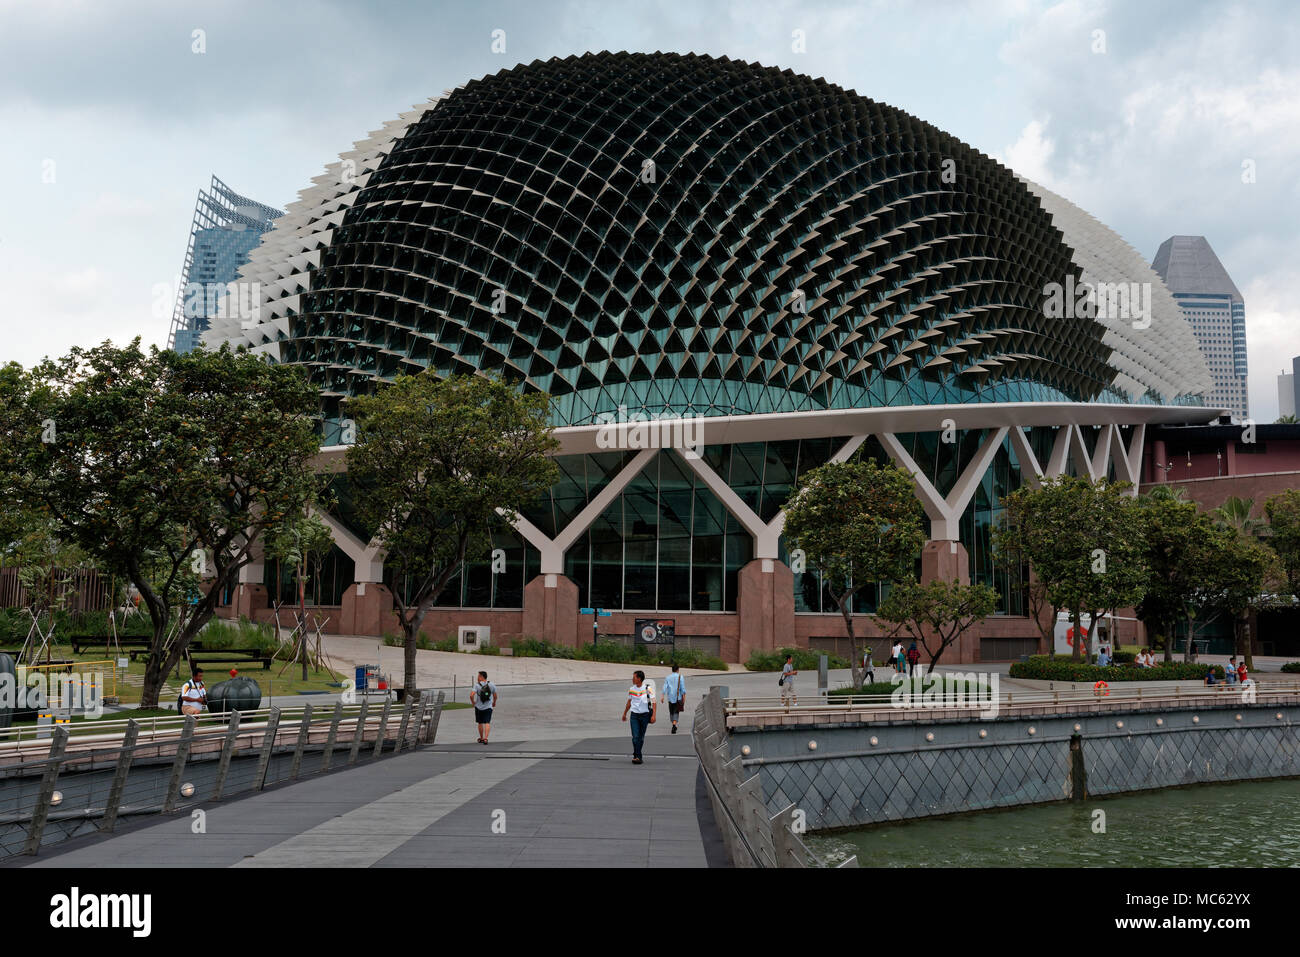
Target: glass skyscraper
column 227, row 227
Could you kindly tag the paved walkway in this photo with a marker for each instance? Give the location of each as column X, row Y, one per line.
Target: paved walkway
column 557, row 776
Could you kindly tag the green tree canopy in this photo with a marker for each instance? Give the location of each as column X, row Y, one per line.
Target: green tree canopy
column 163, row 468
column 438, row 464
column 856, row 522
column 936, row 614
column 1084, row 541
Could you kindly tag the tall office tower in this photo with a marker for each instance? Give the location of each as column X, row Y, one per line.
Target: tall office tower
column 226, row 228
column 1213, row 306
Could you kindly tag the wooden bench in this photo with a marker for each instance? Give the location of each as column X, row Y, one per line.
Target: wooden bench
column 231, row 656
column 132, row 643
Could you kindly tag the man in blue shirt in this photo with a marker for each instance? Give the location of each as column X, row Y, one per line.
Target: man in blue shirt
column 675, row 695
column 1103, row 658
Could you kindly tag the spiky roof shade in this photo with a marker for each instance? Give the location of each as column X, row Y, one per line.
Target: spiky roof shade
column 921, row 262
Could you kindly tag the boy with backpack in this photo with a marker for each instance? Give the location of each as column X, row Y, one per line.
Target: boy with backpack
column 484, row 697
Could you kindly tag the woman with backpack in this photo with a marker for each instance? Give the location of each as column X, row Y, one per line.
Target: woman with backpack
column 484, row 697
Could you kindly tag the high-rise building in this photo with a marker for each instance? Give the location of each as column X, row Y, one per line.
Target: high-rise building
column 1214, row 308
column 1286, row 391
column 227, row 227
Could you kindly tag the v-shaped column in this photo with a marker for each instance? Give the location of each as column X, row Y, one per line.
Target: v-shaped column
column 945, row 513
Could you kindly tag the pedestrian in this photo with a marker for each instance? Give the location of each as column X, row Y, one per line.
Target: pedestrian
column 1210, row 678
column 675, row 695
column 1230, row 672
column 913, row 656
column 642, row 704
column 1103, row 657
column 896, row 656
column 786, row 681
column 868, row 667
column 484, row 696
column 1242, row 675
column 194, row 694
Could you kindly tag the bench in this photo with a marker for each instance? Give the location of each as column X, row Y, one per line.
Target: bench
column 134, row 643
column 231, row 656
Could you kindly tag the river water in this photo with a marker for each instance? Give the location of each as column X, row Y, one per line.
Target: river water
column 1251, row 824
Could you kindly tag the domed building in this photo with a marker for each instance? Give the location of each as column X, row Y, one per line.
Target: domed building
column 724, row 275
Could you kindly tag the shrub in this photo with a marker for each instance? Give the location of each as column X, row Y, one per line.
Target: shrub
column 1042, row 668
column 919, row 686
column 1292, row 667
column 804, row 660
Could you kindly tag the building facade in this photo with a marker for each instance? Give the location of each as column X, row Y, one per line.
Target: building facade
column 1216, row 312
column 227, row 227
column 724, row 275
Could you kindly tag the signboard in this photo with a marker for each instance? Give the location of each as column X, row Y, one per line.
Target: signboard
column 655, row 631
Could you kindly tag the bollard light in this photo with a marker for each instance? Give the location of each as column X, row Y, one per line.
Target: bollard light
column 929, row 736
column 1033, row 730
column 1196, row 719
column 812, row 745
column 56, row 799
column 875, row 740
column 1238, row 717
column 187, row 790
column 983, row 733
column 1159, row 722
column 1078, row 727
column 1279, row 716
column 1119, row 724
column 745, row 750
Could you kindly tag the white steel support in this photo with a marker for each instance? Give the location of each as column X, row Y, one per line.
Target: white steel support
column 945, row 513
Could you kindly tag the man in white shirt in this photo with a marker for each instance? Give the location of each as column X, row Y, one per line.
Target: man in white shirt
column 194, row 695
column 642, row 705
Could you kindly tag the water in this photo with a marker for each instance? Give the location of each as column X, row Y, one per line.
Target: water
column 1252, row 824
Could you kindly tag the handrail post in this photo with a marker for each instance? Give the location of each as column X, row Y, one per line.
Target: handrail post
column 383, row 727
column 437, row 714
column 408, row 706
column 118, row 786
column 227, row 751
column 304, row 729
column 334, row 733
column 41, row 813
column 360, row 732
column 178, row 764
column 268, row 742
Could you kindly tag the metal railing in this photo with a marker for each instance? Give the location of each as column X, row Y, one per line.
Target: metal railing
column 1067, row 700
column 752, row 837
column 71, row 784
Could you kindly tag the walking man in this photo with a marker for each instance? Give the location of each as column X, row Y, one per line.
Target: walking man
column 787, row 682
column 641, row 702
column 484, row 696
column 194, row 694
column 868, row 667
column 913, row 656
column 675, row 695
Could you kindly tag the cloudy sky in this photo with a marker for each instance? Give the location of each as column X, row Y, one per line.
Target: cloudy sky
column 112, row 121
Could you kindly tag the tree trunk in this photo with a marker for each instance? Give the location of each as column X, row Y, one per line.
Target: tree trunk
column 856, row 663
column 411, row 634
column 1076, row 649
column 155, row 669
column 302, row 616
column 1247, row 654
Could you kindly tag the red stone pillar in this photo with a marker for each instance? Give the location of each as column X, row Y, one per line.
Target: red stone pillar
column 1158, row 463
column 765, row 606
column 551, row 610
column 249, row 597
column 367, row 609
column 945, row 560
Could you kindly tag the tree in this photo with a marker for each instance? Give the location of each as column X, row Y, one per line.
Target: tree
column 856, row 522
column 1233, row 583
column 1084, row 541
column 1234, row 513
column 163, row 468
column 300, row 541
column 438, row 464
column 1009, row 540
column 1178, row 555
column 1283, row 511
column 936, row 614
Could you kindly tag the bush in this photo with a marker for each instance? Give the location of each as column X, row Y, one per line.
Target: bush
column 1043, row 668
column 1292, row 667
column 1121, row 657
column 919, row 686
column 536, row 648
column 804, row 660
